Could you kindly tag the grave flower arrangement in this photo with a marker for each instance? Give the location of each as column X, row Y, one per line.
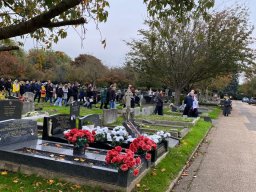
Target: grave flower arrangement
column 158, row 136
column 143, row 145
column 124, row 161
column 119, row 135
column 80, row 139
column 101, row 134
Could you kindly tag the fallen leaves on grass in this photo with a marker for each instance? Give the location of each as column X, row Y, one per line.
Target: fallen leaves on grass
column 4, row 172
column 50, row 181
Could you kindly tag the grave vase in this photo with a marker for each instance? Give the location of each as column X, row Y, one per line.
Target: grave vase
column 79, row 150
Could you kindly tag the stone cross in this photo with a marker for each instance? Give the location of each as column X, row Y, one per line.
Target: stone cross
column 128, row 96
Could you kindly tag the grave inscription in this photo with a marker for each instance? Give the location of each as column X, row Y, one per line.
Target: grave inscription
column 18, row 130
column 10, row 109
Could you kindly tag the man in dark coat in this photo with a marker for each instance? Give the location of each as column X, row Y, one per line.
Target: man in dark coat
column 189, row 104
column 227, row 106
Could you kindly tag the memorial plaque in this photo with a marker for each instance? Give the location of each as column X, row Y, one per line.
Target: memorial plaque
column 10, row 109
column 17, row 130
column 74, row 110
column 132, row 129
column 92, row 119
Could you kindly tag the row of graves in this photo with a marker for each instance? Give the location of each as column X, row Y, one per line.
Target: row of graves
column 83, row 149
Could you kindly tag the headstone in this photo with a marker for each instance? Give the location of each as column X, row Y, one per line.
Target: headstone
column 28, row 107
column 109, row 116
column 10, row 109
column 137, row 111
column 94, row 118
column 13, row 97
column 151, row 110
column 74, row 110
column 131, row 129
column 55, row 125
column 29, row 96
column 17, row 130
column 145, row 111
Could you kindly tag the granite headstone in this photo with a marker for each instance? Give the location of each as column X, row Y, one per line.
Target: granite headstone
column 10, row 109
column 55, row 125
column 17, row 130
column 93, row 118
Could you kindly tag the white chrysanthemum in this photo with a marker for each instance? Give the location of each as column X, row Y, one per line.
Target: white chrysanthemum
column 65, row 132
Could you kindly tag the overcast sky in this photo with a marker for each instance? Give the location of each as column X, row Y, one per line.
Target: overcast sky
column 125, row 19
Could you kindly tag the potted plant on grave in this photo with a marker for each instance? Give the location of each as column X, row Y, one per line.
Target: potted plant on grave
column 80, row 139
column 124, row 161
column 143, row 145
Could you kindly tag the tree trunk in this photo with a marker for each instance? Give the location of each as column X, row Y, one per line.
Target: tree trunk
column 177, row 96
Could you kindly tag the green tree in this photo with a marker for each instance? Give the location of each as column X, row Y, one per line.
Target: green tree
column 87, row 68
column 181, row 54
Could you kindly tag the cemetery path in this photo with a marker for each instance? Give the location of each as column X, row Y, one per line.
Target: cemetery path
column 226, row 161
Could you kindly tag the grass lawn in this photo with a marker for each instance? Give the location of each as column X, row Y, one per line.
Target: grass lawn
column 17, row 182
column 66, row 109
column 160, row 128
column 215, row 113
column 165, row 118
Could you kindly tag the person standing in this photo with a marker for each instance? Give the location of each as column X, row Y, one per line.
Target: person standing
column 103, row 97
column 65, row 94
column 60, row 94
column 42, row 93
column 2, row 84
column 37, row 91
column 108, row 97
column 27, row 87
column 189, row 104
column 112, row 97
column 227, row 106
column 8, row 86
column 159, row 103
column 16, row 88
column 195, row 105
column 49, row 92
column 75, row 91
column 22, row 88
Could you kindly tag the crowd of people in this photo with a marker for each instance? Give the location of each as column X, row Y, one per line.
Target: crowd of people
column 62, row 94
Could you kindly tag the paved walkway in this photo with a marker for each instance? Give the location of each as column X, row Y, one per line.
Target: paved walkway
column 226, row 162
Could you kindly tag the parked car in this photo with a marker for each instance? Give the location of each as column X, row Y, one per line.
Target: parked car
column 252, row 100
column 245, row 99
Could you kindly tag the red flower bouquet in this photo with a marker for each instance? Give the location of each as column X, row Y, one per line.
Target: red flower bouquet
column 125, row 161
column 79, row 137
column 142, row 145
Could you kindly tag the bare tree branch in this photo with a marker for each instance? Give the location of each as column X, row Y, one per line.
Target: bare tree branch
column 8, row 48
column 38, row 21
column 64, row 23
